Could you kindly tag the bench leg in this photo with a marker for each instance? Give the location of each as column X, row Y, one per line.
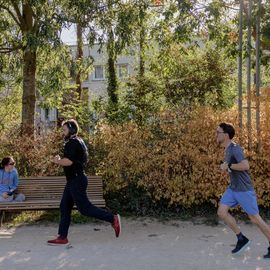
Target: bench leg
column 2, row 218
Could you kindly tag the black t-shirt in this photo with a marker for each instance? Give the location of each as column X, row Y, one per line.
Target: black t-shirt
column 76, row 151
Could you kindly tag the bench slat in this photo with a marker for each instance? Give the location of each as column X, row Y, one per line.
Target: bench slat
column 46, row 192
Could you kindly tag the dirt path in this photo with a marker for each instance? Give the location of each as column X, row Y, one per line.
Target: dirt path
column 144, row 244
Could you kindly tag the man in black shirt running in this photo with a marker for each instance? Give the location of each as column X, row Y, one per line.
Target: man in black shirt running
column 74, row 161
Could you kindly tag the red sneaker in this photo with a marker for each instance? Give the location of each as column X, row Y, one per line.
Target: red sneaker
column 58, row 242
column 117, row 225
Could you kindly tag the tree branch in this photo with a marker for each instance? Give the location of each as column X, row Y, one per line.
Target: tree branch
column 9, row 50
column 11, row 14
column 19, row 15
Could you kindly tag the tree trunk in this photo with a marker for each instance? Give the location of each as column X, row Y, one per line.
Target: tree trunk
column 142, row 42
column 29, row 92
column 112, row 78
column 79, row 58
column 29, row 72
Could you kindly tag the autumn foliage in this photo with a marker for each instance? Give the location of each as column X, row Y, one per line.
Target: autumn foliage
column 175, row 158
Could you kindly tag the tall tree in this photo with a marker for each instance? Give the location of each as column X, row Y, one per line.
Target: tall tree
column 28, row 25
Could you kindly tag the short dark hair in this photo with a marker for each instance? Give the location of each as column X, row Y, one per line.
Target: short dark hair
column 72, row 126
column 5, row 161
column 228, row 128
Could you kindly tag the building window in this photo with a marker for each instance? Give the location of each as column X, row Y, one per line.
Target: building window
column 123, row 70
column 46, row 113
column 98, row 73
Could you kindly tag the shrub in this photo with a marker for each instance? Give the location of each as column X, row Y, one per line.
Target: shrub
column 175, row 159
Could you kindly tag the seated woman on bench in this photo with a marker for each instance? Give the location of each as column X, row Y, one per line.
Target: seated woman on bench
column 9, row 181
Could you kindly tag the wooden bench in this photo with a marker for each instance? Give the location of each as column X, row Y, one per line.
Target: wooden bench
column 45, row 193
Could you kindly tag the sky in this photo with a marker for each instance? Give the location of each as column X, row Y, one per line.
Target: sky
column 68, row 36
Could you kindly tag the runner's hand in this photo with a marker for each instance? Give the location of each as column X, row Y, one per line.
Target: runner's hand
column 224, row 166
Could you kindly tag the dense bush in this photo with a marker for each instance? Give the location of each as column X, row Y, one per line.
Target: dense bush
column 170, row 163
column 32, row 155
column 175, row 159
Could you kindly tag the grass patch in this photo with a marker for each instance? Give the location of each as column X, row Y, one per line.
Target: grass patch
column 43, row 217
